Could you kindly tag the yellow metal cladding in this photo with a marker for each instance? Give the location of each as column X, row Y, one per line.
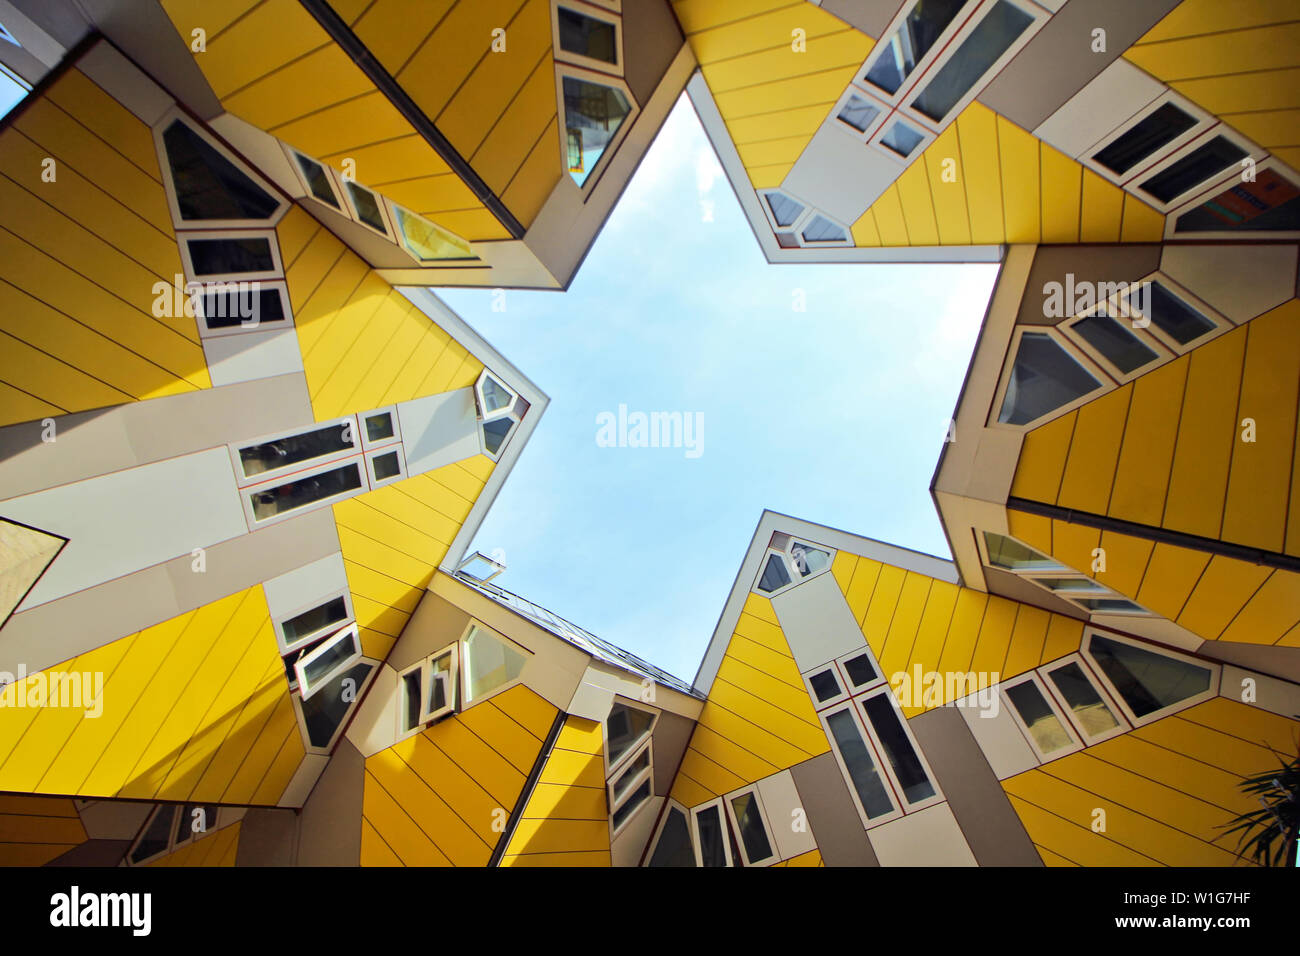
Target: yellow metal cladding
column 35, row 830
column 758, row 718
column 1213, row 596
column 271, row 64
column 771, row 97
column 1003, row 185
column 1240, row 61
column 911, row 620
column 195, row 708
column 85, row 235
column 566, row 820
column 1167, row 789
column 442, row 797
column 811, row 858
column 214, row 848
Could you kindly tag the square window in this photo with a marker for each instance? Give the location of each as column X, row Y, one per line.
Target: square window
column 902, row 139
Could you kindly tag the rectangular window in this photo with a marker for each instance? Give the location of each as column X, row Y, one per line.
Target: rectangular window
column 625, row 728
column 916, row 36
column 1046, row 730
column 993, row 36
column 428, row 691
column 859, row 113
column 1192, row 170
column 316, row 488
column 1174, row 317
column 1094, row 717
column 282, row 453
column 1144, row 139
column 325, row 713
column 899, row 748
column 825, row 686
column 1010, row 555
column 855, row 757
column 861, row 669
column 368, row 208
column 318, row 181
column 1270, row 204
column 631, row 787
column 902, row 138
column 592, row 38
column 712, row 841
column 301, row 628
column 386, row 466
column 327, row 660
column 747, row 815
column 1114, row 342
column 245, row 254
column 241, row 305
column 379, row 428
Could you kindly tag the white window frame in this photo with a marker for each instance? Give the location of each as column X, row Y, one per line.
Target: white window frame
column 1161, row 353
column 350, row 209
column 841, row 664
column 392, row 449
column 327, row 749
column 278, row 622
column 1098, row 591
column 399, row 237
column 775, row 855
column 1190, row 202
column 366, row 442
column 786, row 556
column 762, row 566
column 1215, row 182
column 839, row 698
column 505, row 442
column 424, row 668
column 185, row 236
column 1085, row 649
column 245, row 481
column 496, row 566
column 1031, row 677
column 350, row 633
column 169, row 183
column 771, row 217
column 614, row 768
column 791, row 561
column 463, row 659
column 886, row 777
column 807, row 243
column 595, row 12
column 1123, row 725
column 876, row 140
column 669, row 806
column 874, row 98
column 942, row 42
column 249, row 490
column 200, row 289
column 331, row 174
column 1204, row 121
column 481, row 401
column 724, row 822
column 562, row 70
column 1060, row 570
column 1220, row 322
column 887, row 692
column 633, row 785
column 1105, row 382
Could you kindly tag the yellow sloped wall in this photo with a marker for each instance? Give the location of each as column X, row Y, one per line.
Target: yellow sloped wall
column 35, row 830
column 214, row 848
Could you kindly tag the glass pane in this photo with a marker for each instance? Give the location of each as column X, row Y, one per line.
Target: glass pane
column 386, row 466
column 898, row 748
column 991, row 38
column 440, row 689
column 1195, row 168
column 367, row 207
column 318, row 180
column 624, row 727
column 713, row 837
column 1124, row 349
column 1088, row 707
column 752, row 832
column 495, row 396
column 784, row 209
column 305, row 491
column 214, row 257
column 495, row 433
column 674, row 846
column 379, row 427
column 862, row 769
column 325, row 711
column 157, row 837
column 640, row 796
column 901, row 138
column 911, row 41
column 629, row 774
column 1159, row 129
column 1011, row 555
column 196, row 820
column 808, row 559
column 822, row 229
column 587, row 36
column 825, row 686
column 1270, row 204
column 859, row 114
column 411, row 696
column 282, row 452
column 337, row 651
column 491, row 663
column 232, row 307
column 593, row 114
column 1072, row 585
column 1043, row 378
column 1175, row 317
column 860, row 670
column 1110, row 605
column 1146, row 680
column 1043, row 724
column 209, row 186
column 317, row 619
column 774, row 574
column 429, row 241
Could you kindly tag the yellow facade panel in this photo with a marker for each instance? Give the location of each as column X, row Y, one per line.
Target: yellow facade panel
column 1126, row 562
column 1074, row 841
column 1042, row 460
column 430, row 805
column 841, row 52
column 774, row 95
column 967, row 617
column 535, row 178
column 1141, row 222
column 772, row 152
column 764, row 31
column 1101, row 212
column 711, row 745
column 1224, row 588
column 1269, row 128
column 947, row 191
column 1094, row 452
column 1271, row 612
column 1061, row 196
column 896, row 653
column 977, row 131
column 890, row 221
column 800, row 122
column 1151, row 430
column 393, row 30
column 395, row 831
column 518, row 130
column 1018, row 153
column 1075, row 546
column 275, row 33
column 1269, row 47
column 918, row 208
column 1203, row 17
column 321, row 79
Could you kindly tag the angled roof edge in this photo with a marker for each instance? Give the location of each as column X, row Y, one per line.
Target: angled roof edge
column 944, row 569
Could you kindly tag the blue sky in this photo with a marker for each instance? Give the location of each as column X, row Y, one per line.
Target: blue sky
column 836, row 414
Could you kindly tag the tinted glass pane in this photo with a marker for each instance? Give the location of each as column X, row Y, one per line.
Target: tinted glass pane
column 1175, row 317
column 674, row 846
column 233, row 307
column 208, row 186
column 752, row 832
column 774, row 574
column 429, row 241
column 305, row 491
column 991, row 38
column 214, row 257
column 1270, row 204
column 1074, row 585
column 593, row 114
column 911, row 41
column 713, row 837
column 1160, row 128
column 318, row 180
column 325, row 710
column 624, row 727
column 1088, row 707
column 587, row 36
column 196, row 820
column 440, row 689
column 411, row 695
column 495, row 433
column 629, row 774
column 1043, row 378
column 784, row 209
column 860, row 670
column 1148, row 681
column 822, row 229
column 1111, row 605
column 639, row 796
column 157, row 837
column 334, row 655
column 1124, row 349
column 1043, row 724
column 367, row 207
column 1010, row 554
column 495, row 396
column 859, row 114
column 898, row 748
column 379, row 427
column 281, row 452
column 825, row 686
column 1195, row 168
column 857, row 760
column 386, row 466
column 901, row 138
column 318, row 618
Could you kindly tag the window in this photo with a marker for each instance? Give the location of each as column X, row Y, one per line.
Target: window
column 169, row 827
column 851, row 674
column 1149, row 684
column 630, row 787
column 861, row 670
column 625, row 728
column 493, row 397
column 265, row 502
column 588, row 39
column 479, row 567
column 790, row 561
column 272, row 456
column 1044, row 378
column 822, row 230
column 322, row 664
column 747, row 817
column 206, row 185
column 319, row 181
column 904, row 760
column 314, row 622
column 712, row 841
column 1118, row 345
column 500, row 409
column 367, row 207
column 673, row 845
column 490, row 663
column 774, row 576
column 1094, row 716
column 1047, row 731
column 1011, row 555
column 1174, row 317
column 428, row 691
column 825, row 686
column 379, row 428
column 593, row 114
column 1087, row 594
column 225, row 306
column 386, row 466
column 1271, row 204
column 324, row 715
column 428, row 241
column 908, row 45
column 858, row 764
column 902, row 138
column 808, row 226
column 859, row 113
column 1193, row 169
column 219, row 255
column 784, row 209
column 1151, row 134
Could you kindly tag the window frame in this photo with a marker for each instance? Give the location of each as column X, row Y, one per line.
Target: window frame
column 839, row 698
column 246, row 500
column 198, row 290
column 187, row 235
column 350, row 209
column 563, row 69
column 775, row 855
column 367, row 444
column 723, row 820
column 427, row 716
column 1104, row 380
column 669, row 805
column 634, row 784
column 876, row 140
column 874, row 99
column 885, row 776
column 594, row 11
column 1221, row 323
column 244, row 481
column 394, row 448
column 331, row 174
column 1193, row 200
column 1085, row 650
column 1059, row 570
column 175, row 810
column 614, row 768
column 842, row 664
column 941, row 43
column 1215, row 182
column 1032, row 677
column 278, row 622
column 351, row 712
column 400, row 240
column 1162, row 353
column 1123, row 725
column 463, row 658
column 1204, row 122
column 859, row 701
column 307, row 690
